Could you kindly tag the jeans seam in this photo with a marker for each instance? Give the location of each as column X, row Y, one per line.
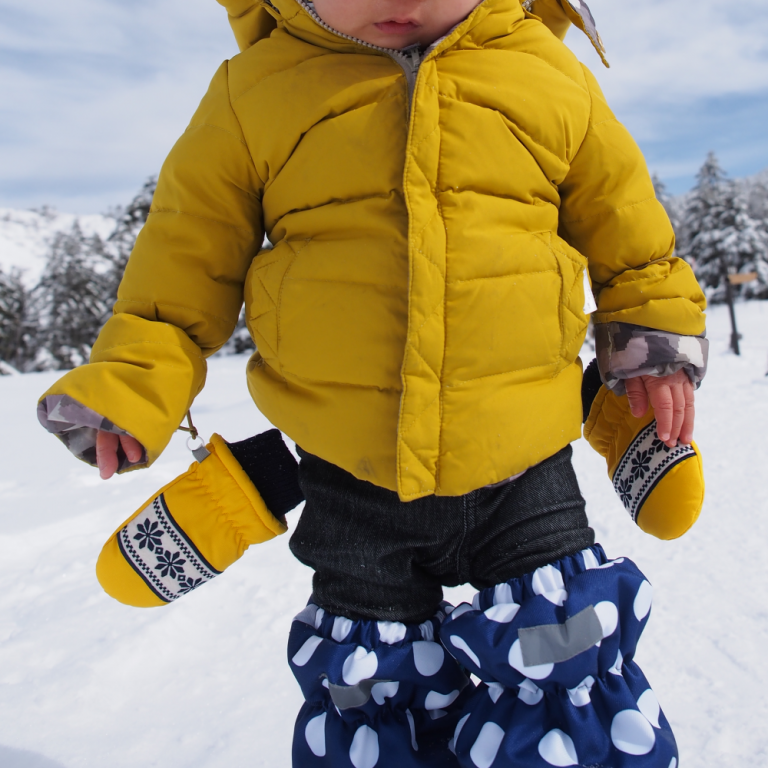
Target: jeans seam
column 460, row 548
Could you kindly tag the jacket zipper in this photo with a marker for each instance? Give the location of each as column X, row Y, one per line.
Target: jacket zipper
column 409, row 58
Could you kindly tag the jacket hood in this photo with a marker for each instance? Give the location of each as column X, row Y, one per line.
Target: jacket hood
column 250, row 20
column 253, row 20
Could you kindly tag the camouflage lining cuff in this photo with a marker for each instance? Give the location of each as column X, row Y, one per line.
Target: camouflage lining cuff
column 76, row 426
column 625, row 351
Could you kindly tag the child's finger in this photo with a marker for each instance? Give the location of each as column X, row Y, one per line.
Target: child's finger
column 106, row 454
column 132, row 448
column 678, row 413
column 637, row 396
column 661, row 399
column 686, row 432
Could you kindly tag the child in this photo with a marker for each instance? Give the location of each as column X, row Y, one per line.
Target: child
column 435, row 177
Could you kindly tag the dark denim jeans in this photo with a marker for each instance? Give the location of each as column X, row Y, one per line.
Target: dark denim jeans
column 376, row 557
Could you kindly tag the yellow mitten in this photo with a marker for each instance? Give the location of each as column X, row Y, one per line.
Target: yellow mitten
column 662, row 488
column 201, row 522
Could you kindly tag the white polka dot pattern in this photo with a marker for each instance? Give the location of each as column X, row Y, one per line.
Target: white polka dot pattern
column 341, row 628
column 580, row 695
column 502, row 593
column 364, row 752
column 537, row 672
column 435, row 700
column 590, row 561
column 412, row 727
column 557, row 748
column 368, row 683
column 460, row 644
column 427, row 631
column 460, row 610
column 579, row 707
column 315, row 735
column 494, row 691
column 632, row 733
column 387, row 690
column 428, row 658
column 530, row 693
column 305, row 653
column 608, row 614
column 548, row 582
column 359, row 665
column 391, row 632
column 642, row 604
column 503, row 613
column 486, row 746
column 307, row 616
column 459, row 726
column 648, row 704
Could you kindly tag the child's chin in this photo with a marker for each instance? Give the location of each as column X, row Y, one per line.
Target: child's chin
column 396, row 41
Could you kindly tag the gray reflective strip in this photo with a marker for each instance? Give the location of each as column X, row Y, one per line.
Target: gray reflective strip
column 351, row 696
column 551, row 643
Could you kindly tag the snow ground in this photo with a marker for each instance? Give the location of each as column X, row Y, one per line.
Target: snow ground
column 25, row 236
column 86, row 682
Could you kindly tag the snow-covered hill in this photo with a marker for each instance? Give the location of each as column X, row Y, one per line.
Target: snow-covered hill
column 86, row 682
column 25, row 235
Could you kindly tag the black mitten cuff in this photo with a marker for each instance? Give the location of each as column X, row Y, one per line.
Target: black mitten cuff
column 272, row 468
column 590, row 386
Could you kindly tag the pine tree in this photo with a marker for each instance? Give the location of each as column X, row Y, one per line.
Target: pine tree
column 71, row 300
column 17, row 329
column 757, row 199
column 120, row 243
column 720, row 235
column 757, row 195
column 240, row 341
column 674, row 208
column 660, row 188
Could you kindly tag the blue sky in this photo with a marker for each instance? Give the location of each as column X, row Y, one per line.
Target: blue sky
column 93, row 93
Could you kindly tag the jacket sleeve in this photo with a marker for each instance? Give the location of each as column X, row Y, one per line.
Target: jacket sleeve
column 625, row 351
column 609, row 213
column 182, row 291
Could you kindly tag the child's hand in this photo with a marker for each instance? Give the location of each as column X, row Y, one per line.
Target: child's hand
column 106, row 451
column 672, row 401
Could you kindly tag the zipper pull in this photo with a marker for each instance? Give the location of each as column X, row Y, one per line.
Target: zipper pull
column 413, row 54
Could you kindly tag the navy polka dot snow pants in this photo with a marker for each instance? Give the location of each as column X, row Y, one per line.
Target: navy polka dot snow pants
column 377, row 693
column 550, row 637
column 554, row 651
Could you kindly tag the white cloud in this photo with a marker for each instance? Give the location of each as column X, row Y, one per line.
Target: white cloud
column 94, row 93
column 672, row 50
column 686, row 77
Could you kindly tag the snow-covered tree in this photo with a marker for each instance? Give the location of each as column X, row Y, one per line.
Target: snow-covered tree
column 17, row 327
column 71, row 300
column 669, row 203
column 719, row 234
column 240, row 341
column 120, row 243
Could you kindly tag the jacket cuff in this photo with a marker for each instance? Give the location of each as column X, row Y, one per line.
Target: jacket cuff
column 625, row 351
column 76, row 426
column 272, row 469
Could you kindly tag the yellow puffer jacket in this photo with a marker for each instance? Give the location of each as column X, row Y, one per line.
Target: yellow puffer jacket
column 419, row 317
